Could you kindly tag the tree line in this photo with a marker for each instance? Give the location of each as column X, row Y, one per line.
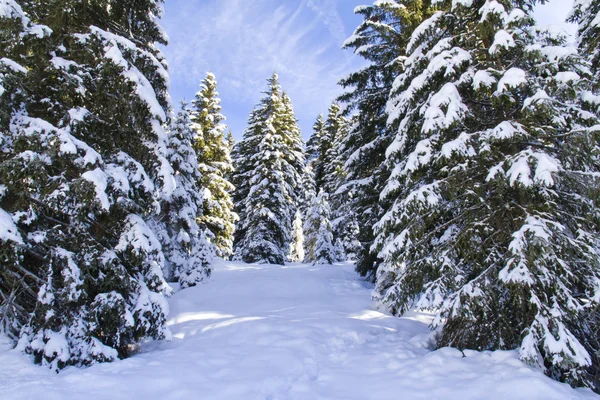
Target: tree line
column 460, row 170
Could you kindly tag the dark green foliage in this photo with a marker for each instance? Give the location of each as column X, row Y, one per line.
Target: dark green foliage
column 82, row 164
column 381, row 40
column 489, row 222
column 268, row 166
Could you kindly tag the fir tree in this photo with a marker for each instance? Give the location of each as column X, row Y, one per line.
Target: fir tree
column 381, row 40
column 268, row 169
column 490, row 223
column 82, row 166
column 326, row 160
column 213, row 151
column 313, row 146
column 185, row 244
column 586, row 13
column 322, row 149
column 319, row 233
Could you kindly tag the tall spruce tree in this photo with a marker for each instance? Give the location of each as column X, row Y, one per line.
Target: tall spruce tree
column 268, row 166
column 319, row 232
column 381, row 40
column 322, row 149
column 490, row 224
column 213, row 151
column 188, row 252
column 82, row 166
column 326, row 160
column 587, row 14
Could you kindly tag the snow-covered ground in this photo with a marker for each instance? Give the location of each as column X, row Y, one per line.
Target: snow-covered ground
column 295, row 332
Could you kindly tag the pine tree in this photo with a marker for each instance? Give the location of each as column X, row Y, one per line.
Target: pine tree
column 326, row 160
column 313, row 146
column 490, row 224
column 82, row 166
column 322, row 148
column 185, row 244
column 19, row 276
column 585, row 13
column 268, row 169
column 381, row 40
column 213, row 151
column 319, row 233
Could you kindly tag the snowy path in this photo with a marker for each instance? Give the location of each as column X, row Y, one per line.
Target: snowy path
column 296, row 332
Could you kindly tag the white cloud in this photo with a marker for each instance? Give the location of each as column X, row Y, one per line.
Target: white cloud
column 243, row 42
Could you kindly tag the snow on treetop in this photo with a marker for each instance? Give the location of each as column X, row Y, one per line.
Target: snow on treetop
column 360, row 9
column 388, row 3
column 493, row 7
column 502, row 39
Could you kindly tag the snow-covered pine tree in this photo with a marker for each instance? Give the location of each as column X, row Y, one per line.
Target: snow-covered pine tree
column 325, row 160
column 319, row 241
column 319, row 233
column 82, row 165
column 213, row 152
column 19, row 275
column 322, row 148
column 268, row 165
column 297, row 246
column 313, row 146
column 381, row 40
column 185, row 243
column 586, row 13
column 307, row 189
column 489, row 226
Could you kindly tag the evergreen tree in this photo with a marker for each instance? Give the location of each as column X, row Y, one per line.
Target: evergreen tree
column 319, row 233
column 381, row 40
column 82, row 166
column 586, row 13
column 268, row 171
column 326, row 160
column 490, row 224
column 185, row 244
column 322, row 149
column 213, row 151
column 313, row 146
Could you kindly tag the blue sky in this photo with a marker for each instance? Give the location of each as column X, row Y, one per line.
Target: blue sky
column 243, row 41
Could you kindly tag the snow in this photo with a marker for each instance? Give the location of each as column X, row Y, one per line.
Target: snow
column 295, row 332
column 449, row 99
column 492, row 7
column 511, row 79
column 502, row 39
column 12, row 65
column 8, row 229
column 99, row 179
column 483, row 78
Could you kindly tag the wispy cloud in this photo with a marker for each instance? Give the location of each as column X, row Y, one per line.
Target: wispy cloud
column 244, row 41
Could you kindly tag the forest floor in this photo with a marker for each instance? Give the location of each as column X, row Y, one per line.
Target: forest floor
column 287, row 332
